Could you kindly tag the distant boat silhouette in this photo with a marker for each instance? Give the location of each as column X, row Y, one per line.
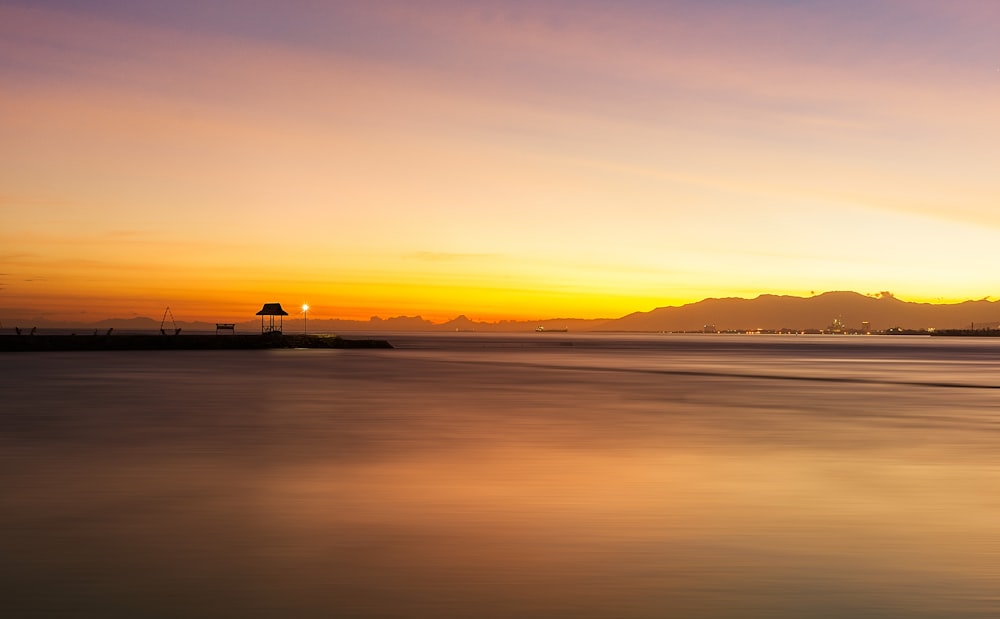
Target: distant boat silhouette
column 541, row 329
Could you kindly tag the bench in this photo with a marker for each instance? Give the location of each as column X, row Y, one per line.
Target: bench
column 225, row 326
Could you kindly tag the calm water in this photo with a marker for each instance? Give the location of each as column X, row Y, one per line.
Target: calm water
column 546, row 475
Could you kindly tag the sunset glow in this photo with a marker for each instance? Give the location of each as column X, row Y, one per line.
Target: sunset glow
column 524, row 160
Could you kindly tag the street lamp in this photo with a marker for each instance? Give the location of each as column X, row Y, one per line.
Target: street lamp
column 305, row 319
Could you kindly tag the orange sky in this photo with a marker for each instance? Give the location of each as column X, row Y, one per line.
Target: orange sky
column 536, row 160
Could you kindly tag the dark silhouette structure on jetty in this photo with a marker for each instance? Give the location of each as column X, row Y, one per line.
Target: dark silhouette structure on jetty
column 270, row 337
column 271, row 310
column 163, row 323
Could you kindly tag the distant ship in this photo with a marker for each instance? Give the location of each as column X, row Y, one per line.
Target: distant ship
column 544, row 330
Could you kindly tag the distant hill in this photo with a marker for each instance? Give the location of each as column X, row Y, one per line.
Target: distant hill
column 773, row 312
column 768, row 311
column 462, row 323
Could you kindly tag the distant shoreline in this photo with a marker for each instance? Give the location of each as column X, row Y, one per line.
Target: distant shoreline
column 105, row 341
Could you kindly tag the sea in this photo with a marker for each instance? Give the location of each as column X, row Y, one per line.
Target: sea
column 506, row 475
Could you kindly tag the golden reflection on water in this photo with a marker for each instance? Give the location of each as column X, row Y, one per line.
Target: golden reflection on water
column 700, row 534
column 401, row 485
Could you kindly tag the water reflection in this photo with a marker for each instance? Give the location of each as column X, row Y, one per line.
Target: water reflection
column 452, row 483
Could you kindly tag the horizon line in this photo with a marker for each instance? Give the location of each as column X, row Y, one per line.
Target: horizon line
column 298, row 317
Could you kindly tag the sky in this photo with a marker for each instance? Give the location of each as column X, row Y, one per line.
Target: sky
column 502, row 160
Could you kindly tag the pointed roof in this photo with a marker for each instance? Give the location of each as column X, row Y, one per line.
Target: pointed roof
column 272, row 309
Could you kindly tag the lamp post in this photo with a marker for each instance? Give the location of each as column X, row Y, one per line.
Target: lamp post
column 305, row 320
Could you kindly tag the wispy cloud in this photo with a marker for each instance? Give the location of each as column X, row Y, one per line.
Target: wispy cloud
column 514, row 146
column 438, row 256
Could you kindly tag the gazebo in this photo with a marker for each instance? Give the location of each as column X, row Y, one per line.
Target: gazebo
column 272, row 310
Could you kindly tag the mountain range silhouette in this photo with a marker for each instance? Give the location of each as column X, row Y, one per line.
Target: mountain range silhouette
column 850, row 310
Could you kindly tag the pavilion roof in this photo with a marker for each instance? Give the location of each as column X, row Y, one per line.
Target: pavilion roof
column 272, row 309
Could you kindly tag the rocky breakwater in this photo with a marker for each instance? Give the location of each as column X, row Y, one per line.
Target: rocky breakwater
column 40, row 342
